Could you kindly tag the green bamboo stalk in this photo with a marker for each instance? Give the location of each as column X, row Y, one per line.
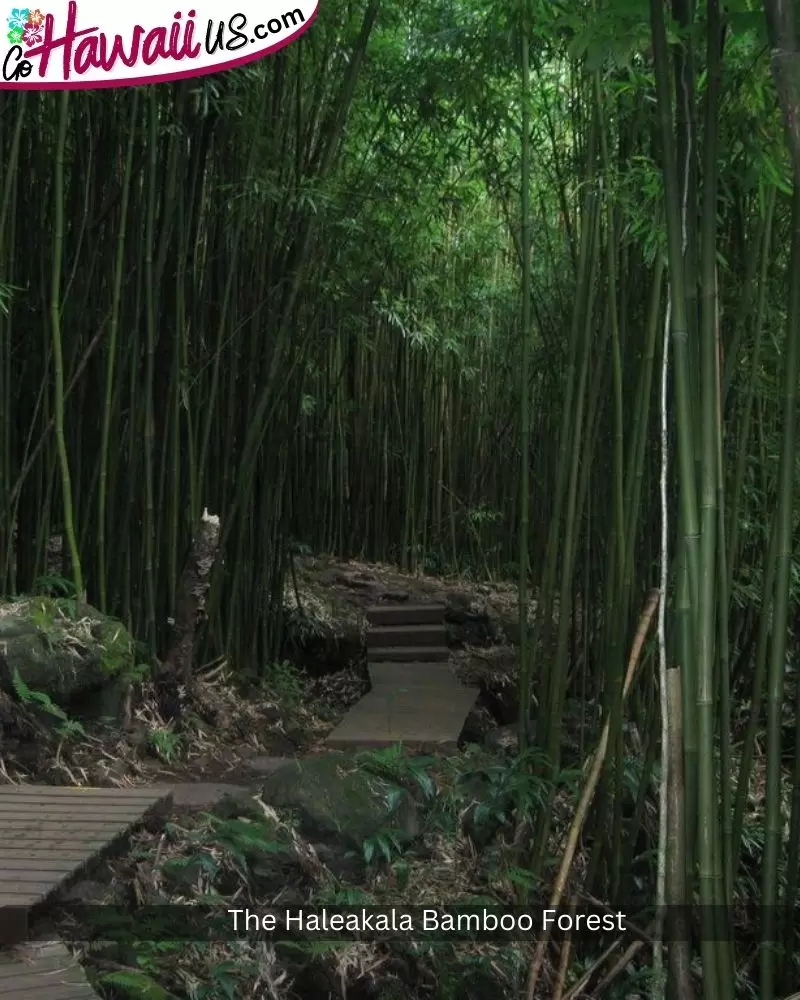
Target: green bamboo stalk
column 58, row 356
column 7, row 506
column 635, row 473
column 694, row 648
column 111, row 358
column 781, row 29
column 746, row 417
column 616, row 580
column 148, row 521
column 717, row 975
column 526, row 663
column 680, row 971
column 782, row 529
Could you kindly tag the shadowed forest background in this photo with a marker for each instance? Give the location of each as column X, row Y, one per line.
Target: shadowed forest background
column 401, row 293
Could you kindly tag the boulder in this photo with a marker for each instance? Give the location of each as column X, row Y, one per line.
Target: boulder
column 338, row 801
column 64, row 649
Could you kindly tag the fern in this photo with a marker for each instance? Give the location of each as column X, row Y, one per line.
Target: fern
column 39, row 698
column 69, row 729
column 21, row 689
column 53, row 585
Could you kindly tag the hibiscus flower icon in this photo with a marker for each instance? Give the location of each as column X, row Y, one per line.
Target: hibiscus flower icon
column 35, row 18
column 32, row 34
column 19, row 18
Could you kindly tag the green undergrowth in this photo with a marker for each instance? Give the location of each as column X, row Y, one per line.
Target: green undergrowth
column 246, row 855
column 475, row 809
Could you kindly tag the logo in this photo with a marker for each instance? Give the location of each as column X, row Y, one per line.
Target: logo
column 71, row 45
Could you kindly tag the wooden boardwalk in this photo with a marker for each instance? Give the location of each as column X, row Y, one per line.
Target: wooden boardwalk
column 43, row 971
column 415, row 699
column 48, row 838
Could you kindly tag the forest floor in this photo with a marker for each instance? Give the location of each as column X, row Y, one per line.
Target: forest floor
column 243, row 828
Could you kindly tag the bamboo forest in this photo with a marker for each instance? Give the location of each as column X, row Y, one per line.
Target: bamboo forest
column 399, row 509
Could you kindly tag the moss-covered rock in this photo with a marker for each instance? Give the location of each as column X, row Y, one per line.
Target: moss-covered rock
column 336, row 800
column 62, row 648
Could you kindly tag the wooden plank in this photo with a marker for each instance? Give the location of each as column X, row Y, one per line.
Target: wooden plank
column 44, row 804
column 55, row 817
column 44, row 847
column 43, row 971
column 15, row 854
column 72, row 991
column 85, row 825
column 46, row 863
column 24, row 804
column 23, row 880
column 72, row 792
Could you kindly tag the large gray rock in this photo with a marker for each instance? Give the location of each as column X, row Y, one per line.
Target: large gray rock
column 336, row 800
column 62, row 648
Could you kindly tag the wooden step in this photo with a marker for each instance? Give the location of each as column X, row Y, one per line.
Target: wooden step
column 407, row 635
column 411, row 717
column 413, row 654
column 420, row 675
column 405, row 614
